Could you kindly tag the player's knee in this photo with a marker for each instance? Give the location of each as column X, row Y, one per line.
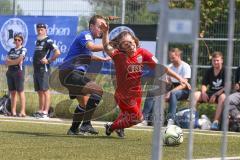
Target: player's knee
column 99, row 91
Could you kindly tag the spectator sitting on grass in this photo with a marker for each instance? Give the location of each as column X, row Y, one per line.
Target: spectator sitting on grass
column 212, row 89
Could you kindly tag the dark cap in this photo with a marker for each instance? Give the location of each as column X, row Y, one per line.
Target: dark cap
column 41, row 25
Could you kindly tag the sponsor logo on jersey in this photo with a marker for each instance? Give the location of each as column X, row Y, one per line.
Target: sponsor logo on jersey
column 88, row 37
column 134, row 68
column 217, row 84
column 139, row 59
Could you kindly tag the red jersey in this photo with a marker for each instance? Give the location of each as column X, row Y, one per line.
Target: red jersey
column 129, row 72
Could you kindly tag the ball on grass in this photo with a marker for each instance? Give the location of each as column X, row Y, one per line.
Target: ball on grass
column 172, row 135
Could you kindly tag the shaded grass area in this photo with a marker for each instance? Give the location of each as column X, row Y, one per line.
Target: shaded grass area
column 48, row 141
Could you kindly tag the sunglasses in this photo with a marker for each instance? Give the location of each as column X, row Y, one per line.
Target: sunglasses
column 19, row 40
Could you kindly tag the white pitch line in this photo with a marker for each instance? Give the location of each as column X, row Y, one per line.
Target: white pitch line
column 216, row 158
column 100, row 125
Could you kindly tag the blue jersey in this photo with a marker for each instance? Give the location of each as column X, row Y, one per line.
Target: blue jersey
column 79, row 55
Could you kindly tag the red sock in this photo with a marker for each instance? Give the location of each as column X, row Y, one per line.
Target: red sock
column 126, row 120
column 130, row 114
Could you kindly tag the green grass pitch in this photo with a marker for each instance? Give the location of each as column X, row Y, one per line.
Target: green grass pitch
column 27, row 139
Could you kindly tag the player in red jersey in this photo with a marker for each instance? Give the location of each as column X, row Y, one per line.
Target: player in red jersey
column 129, row 60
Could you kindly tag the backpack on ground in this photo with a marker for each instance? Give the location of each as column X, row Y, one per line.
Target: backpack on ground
column 5, row 104
column 182, row 118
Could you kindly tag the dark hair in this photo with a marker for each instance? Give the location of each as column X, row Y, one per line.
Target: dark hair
column 94, row 18
column 115, row 42
column 20, row 35
column 41, row 25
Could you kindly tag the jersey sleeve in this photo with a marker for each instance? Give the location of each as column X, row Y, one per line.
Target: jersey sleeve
column 52, row 45
column 24, row 52
column 187, row 71
column 85, row 38
column 149, row 58
column 115, row 53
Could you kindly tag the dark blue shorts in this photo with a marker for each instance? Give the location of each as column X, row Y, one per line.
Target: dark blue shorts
column 74, row 81
column 15, row 80
column 41, row 81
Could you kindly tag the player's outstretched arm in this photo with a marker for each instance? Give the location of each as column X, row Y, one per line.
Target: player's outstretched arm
column 101, row 59
column 105, row 39
column 183, row 81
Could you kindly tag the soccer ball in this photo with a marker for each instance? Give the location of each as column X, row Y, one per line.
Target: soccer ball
column 173, row 135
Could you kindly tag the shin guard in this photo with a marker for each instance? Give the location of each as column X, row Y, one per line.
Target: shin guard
column 77, row 118
column 91, row 106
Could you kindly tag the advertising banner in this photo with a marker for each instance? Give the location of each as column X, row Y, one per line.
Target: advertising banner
column 62, row 29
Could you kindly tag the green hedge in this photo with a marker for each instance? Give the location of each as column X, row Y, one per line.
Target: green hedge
column 107, row 110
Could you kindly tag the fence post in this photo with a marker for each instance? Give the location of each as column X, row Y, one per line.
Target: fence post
column 228, row 75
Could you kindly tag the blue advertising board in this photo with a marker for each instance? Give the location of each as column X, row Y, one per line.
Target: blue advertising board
column 62, row 29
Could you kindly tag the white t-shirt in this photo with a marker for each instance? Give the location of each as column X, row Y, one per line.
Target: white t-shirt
column 184, row 70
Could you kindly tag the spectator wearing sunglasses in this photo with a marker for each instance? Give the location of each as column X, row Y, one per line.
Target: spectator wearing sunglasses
column 15, row 75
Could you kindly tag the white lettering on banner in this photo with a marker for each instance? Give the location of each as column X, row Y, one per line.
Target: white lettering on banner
column 53, row 30
column 62, row 47
column 3, row 57
column 58, row 60
column 26, row 58
column 58, row 31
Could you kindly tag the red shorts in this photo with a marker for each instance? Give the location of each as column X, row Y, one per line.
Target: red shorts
column 131, row 105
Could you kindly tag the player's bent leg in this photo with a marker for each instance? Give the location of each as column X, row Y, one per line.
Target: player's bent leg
column 108, row 130
column 216, row 123
column 77, row 119
column 91, row 106
column 120, row 133
column 126, row 120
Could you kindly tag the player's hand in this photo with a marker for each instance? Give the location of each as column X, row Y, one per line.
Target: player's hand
column 7, row 62
column 44, row 60
column 212, row 98
column 205, row 97
column 107, row 58
column 104, row 27
column 185, row 82
column 167, row 96
column 111, row 18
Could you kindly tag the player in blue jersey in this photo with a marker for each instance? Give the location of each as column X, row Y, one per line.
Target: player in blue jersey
column 72, row 75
